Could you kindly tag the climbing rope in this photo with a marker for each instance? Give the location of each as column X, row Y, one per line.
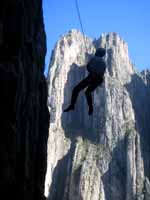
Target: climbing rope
column 79, row 16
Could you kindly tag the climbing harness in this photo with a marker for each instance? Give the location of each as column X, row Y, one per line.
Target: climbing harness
column 79, row 16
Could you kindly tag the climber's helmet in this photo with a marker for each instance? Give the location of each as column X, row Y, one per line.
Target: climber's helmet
column 100, row 52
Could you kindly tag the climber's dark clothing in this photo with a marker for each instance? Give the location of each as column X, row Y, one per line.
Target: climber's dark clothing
column 97, row 65
column 96, row 68
column 92, row 81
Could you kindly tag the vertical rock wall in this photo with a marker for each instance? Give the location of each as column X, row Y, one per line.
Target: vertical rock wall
column 24, row 116
column 105, row 156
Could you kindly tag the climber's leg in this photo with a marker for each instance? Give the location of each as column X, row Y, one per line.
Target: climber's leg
column 83, row 84
column 94, row 84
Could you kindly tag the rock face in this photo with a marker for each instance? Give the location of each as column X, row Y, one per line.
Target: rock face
column 24, row 116
column 106, row 156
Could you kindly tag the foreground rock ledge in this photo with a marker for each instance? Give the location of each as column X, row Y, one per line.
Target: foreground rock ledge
column 24, row 117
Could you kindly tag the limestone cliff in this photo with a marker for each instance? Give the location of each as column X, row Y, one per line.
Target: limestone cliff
column 105, row 156
column 24, row 117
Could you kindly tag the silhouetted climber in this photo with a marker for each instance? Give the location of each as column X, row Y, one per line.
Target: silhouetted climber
column 96, row 68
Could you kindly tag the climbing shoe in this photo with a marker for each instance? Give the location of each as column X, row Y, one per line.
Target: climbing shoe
column 71, row 107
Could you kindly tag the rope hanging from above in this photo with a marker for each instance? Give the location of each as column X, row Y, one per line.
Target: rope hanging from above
column 79, row 16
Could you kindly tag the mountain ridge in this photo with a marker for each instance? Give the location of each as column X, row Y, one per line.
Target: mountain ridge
column 108, row 152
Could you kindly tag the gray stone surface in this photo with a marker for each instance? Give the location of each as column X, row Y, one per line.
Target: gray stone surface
column 104, row 156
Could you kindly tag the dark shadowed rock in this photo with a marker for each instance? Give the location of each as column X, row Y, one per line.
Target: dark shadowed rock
column 24, row 117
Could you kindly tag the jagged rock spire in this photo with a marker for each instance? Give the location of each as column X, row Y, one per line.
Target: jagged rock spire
column 98, row 157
